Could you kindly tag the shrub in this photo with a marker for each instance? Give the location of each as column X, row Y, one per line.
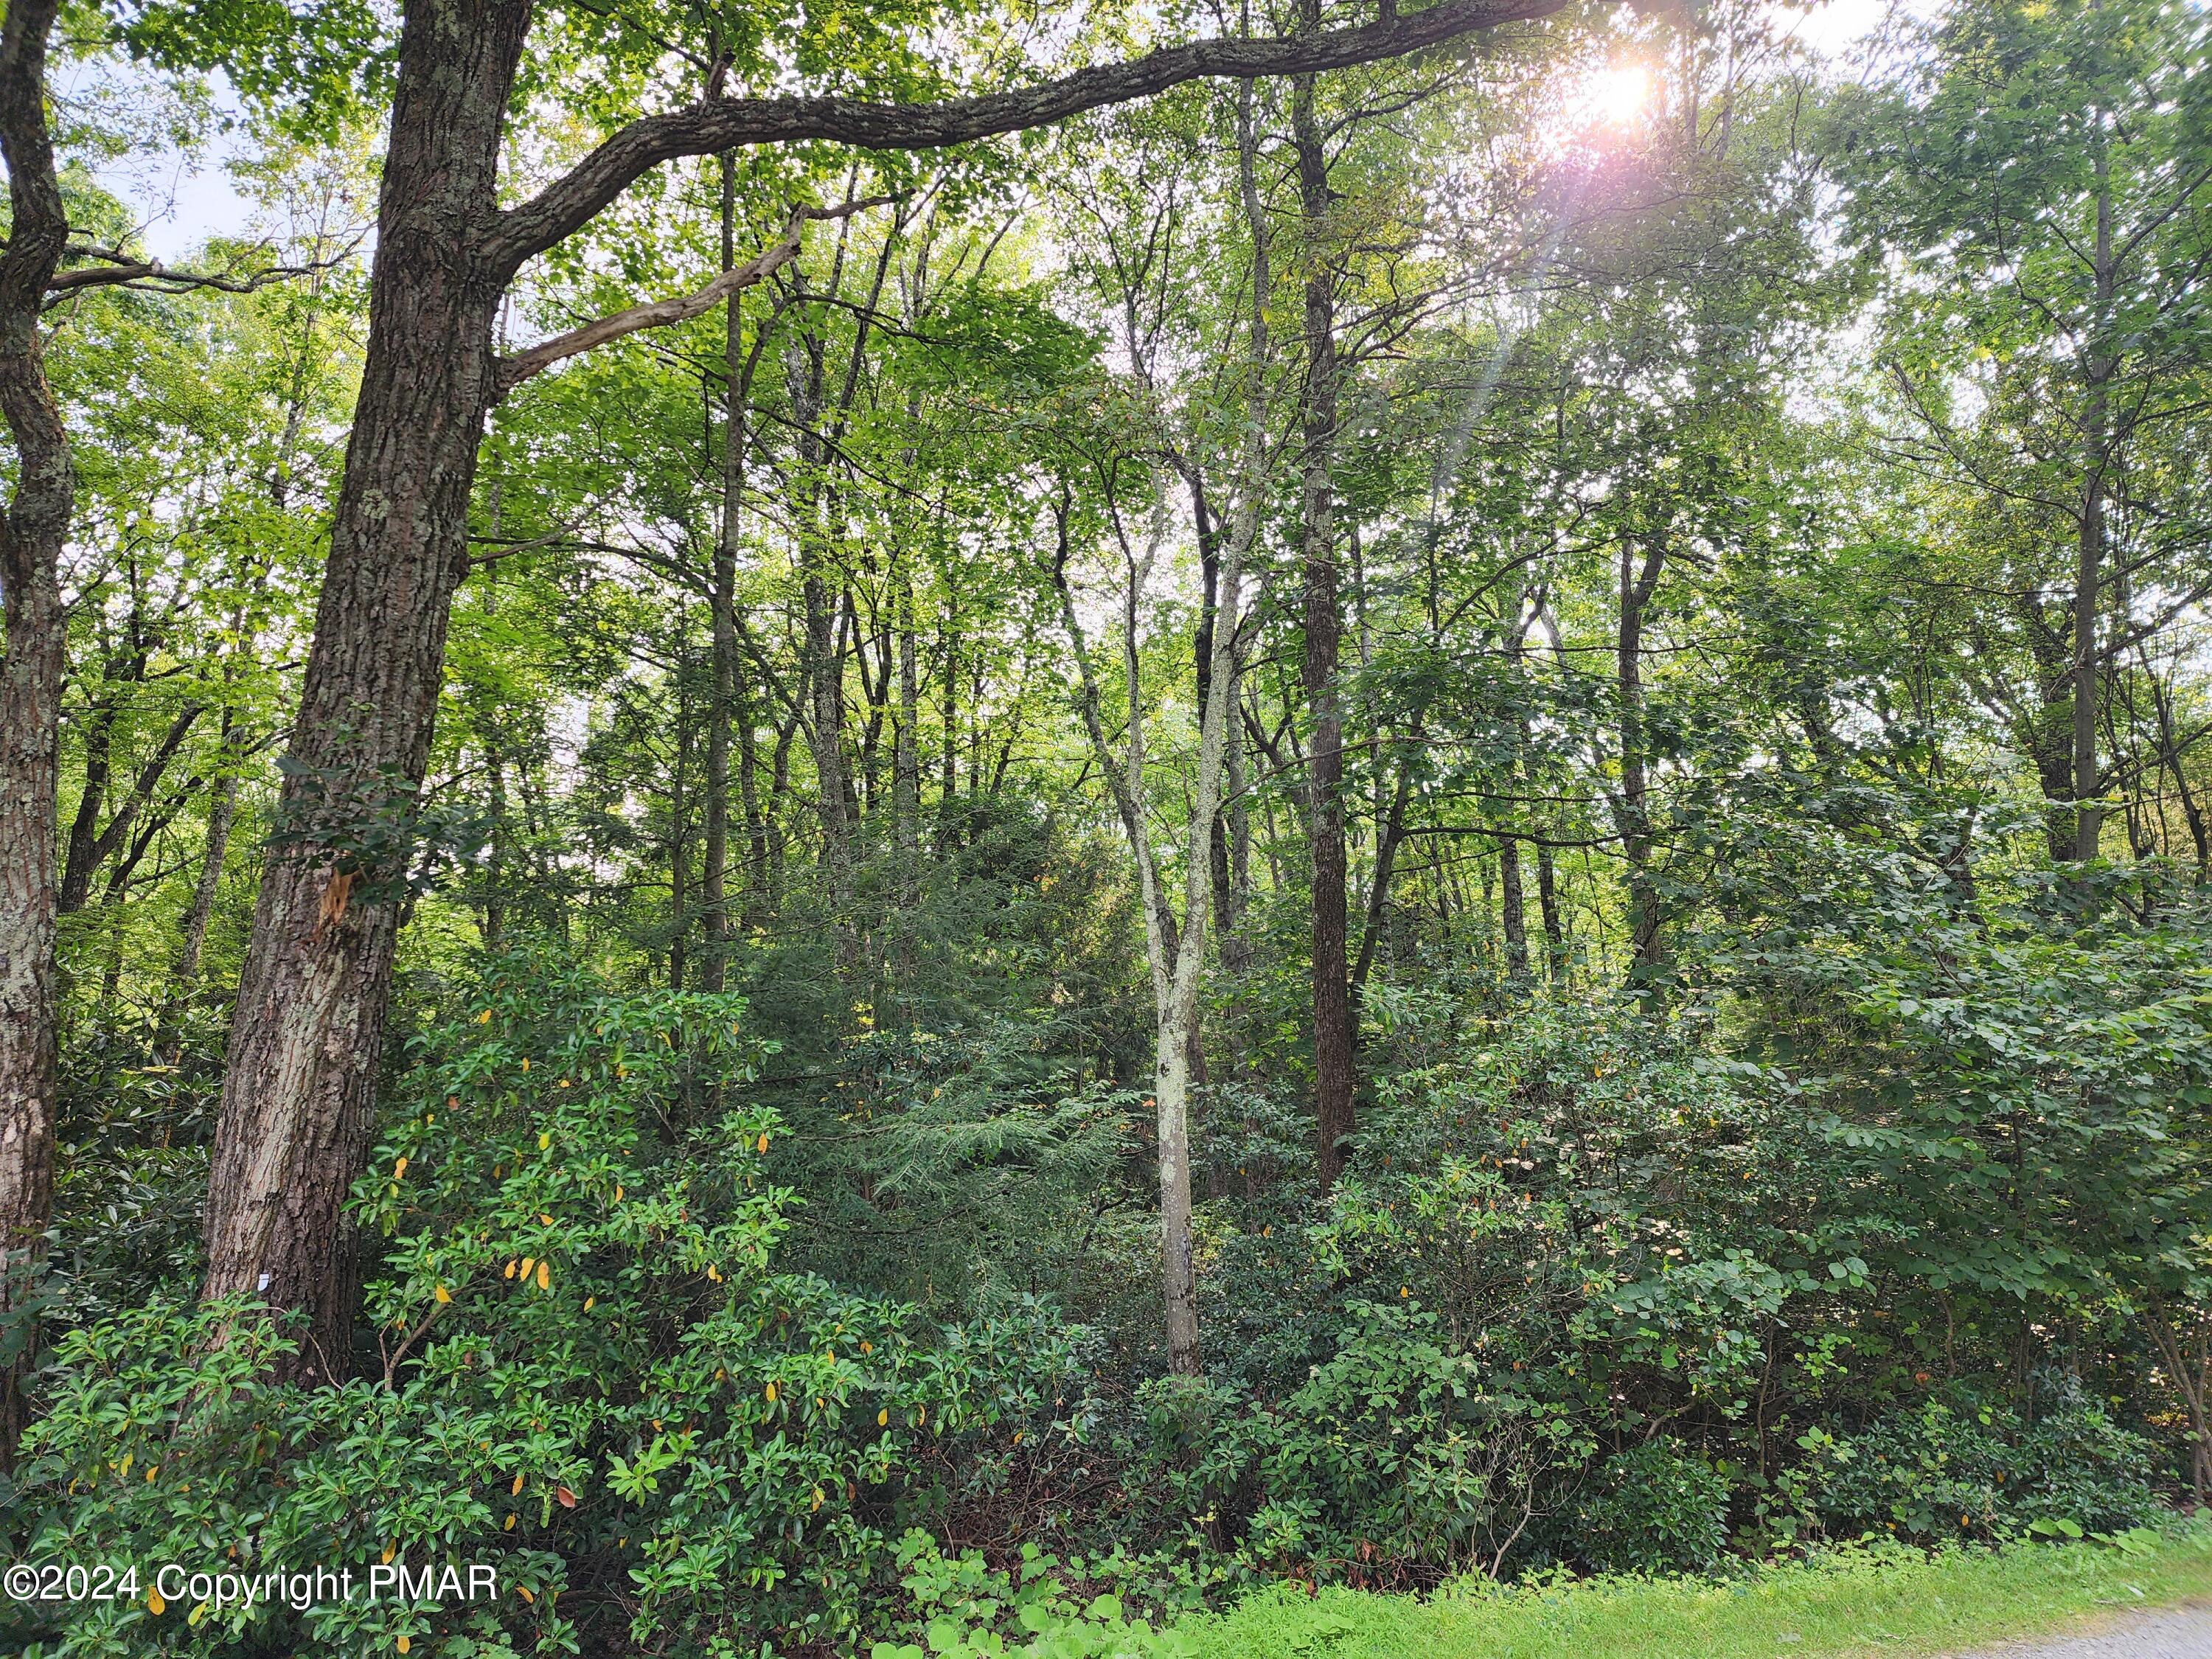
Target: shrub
column 1399, row 1460
column 1948, row 1469
column 588, row 1377
column 1656, row 1509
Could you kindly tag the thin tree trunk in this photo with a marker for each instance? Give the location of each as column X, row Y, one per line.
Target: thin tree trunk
column 1632, row 804
column 721, row 598
column 1332, row 986
column 2090, row 547
column 1511, row 909
column 1548, row 904
column 223, row 808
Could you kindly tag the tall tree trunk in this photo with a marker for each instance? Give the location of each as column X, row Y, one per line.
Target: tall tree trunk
column 1548, row 905
column 297, row 1093
column 721, row 599
column 32, row 532
column 222, row 809
column 1332, row 985
column 1632, row 806
column 906, row 753
column 2089, row 551
column 1512, row 910
column 679, row 822
column 824, row 675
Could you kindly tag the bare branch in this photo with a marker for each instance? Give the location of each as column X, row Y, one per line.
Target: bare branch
column 512, row 372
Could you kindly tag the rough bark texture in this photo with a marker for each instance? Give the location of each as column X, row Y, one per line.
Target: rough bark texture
column 1512, row 909
column 295, row 1117
column 1331, row 984
column 32, row 532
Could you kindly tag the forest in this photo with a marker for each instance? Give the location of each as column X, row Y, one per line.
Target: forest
column 853, row 827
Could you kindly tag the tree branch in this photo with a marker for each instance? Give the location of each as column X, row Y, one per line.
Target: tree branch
column 512, row 372
column 713, row 125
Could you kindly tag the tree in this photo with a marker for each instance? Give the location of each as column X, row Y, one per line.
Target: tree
column 313, row 998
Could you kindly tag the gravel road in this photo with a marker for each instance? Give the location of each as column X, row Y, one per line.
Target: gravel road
column 2181, row 1633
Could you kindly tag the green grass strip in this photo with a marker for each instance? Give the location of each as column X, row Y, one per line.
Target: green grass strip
column 1875, row 1600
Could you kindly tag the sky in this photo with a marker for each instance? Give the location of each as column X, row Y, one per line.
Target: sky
column 180, row 202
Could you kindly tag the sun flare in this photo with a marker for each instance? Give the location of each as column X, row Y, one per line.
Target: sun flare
column 1608, row 95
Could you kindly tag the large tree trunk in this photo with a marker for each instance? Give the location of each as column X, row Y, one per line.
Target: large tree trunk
column 1332, row 985
column 297, row 1095
column 32, row 532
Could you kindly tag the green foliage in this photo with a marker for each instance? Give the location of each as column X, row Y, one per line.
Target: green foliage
column 1654, row 1509
column 589, row 1369
column 1981, row 1471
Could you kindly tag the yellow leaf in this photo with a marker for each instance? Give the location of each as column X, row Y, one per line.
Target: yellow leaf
column 545, row 1276
column 770, row 1392
column 154, row 1604
column 763, row 1143
column 589, row 1301
column 883, row 1418
column 390, row 1550
column 152, row 1469
column 525, row 1062
column 544, row 1141
column 399, row 1169
column 522, row 1590
column 404, row 1644
column 510, row 1524
column 509, row 1274
column 545, row 1220
column 513, row 1490
column 484, row 1018
column 443, row 1294
column 618, row 1192
column 528, row 1262
column 867, row 1347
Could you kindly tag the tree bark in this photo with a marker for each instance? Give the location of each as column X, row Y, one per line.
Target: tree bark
column 2089, row 551
column 721, row 602
column 32, row 532
column 296, row 1106
column 1512, row 909
column 1332, row 986
column 1548, row 905
column 1632, row 804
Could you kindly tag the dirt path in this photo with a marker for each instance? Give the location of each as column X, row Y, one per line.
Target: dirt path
column 2177, row 1633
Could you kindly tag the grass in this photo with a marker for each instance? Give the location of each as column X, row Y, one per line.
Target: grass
column 1883, row 1599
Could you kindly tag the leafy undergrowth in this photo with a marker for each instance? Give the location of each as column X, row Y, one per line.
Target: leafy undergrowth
column 1884, row 1599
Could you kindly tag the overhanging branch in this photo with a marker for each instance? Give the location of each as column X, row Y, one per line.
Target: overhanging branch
column 713, row 125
